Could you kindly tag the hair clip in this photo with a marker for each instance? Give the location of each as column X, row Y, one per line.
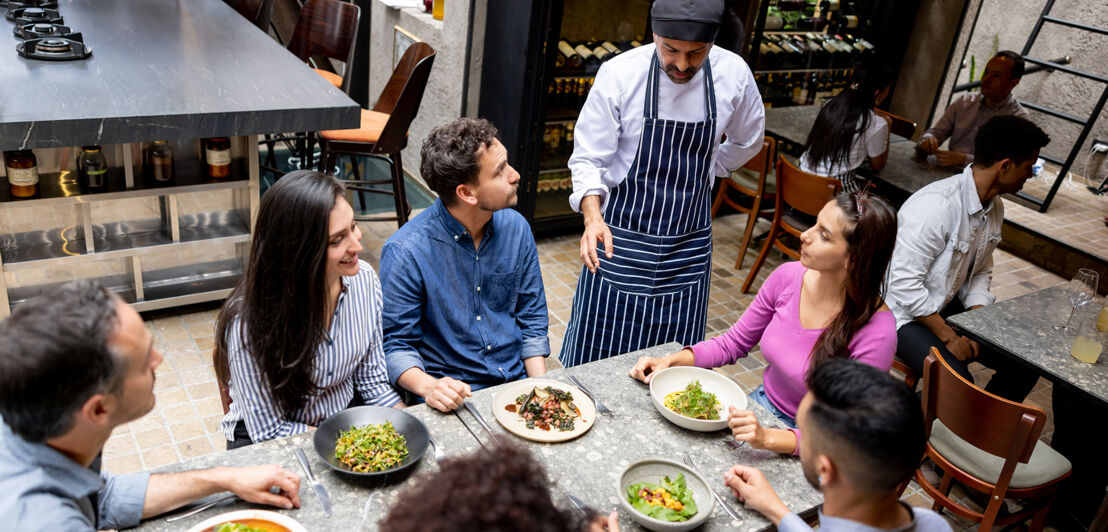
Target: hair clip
column 860, row 199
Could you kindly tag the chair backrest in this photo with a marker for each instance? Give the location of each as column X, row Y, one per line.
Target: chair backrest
column 256, row 11
column 993, row 424
column 326, row 28
column 402, row 95
column 804, row 192
column 763, row 161
column 899, row 125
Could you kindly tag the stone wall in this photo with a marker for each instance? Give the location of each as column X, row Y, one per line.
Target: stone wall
column 1010, row 22
column 447, row 86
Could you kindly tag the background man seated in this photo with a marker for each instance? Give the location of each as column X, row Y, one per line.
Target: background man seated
column 75, row 363
column 971, row 110
column 464, row 306
column 863, row 438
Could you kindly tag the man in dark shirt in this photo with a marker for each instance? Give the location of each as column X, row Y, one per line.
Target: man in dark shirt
column 464, row 306
column 75, row 363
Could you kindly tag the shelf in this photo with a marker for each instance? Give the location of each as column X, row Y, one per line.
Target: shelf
column 798, row 70
column 561, row 114
column 60, row 188
column 37, row 249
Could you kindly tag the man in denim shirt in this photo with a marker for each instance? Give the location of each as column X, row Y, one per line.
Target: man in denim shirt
column 75, row 363
column 943, row 262
column 464, row 306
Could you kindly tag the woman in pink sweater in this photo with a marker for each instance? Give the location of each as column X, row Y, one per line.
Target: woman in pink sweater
column 827, row 305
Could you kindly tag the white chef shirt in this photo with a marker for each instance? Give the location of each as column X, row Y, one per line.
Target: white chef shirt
column 606, row 137
column 944, row 248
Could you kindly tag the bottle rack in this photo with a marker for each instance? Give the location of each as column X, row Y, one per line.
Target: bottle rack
column 63, row 232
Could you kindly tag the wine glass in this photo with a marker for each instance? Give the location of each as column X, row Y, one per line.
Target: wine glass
column 1081, row 290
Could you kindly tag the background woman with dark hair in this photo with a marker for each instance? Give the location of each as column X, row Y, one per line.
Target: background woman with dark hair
column 847, row 130
column 300, row 337
column 828, row 305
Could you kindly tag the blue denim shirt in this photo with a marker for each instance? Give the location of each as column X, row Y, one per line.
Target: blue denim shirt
column 452, row 310
column 45, row 490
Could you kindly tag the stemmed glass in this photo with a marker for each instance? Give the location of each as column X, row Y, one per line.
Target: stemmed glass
column 1081, row 290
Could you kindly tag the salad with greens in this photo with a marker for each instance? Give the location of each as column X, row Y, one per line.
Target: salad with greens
column 371, row 448
column 694, row 402
column 669, row 500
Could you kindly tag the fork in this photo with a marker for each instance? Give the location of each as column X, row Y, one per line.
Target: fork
column 201, row 508
column 734, row 444
column 730, row 511
column 439, row 455
column 599, row 406
column 368, row 505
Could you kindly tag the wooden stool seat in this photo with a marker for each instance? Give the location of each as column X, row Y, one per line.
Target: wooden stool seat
column 373, row 123
column 331, row 77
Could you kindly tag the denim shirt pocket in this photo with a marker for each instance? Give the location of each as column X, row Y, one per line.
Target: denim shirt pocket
column 501, row 291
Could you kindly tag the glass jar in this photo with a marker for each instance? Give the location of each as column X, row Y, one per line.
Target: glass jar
column 217, row 157
column 157, row 162
column 438, row 9
column 92, row 170
column 22, row 170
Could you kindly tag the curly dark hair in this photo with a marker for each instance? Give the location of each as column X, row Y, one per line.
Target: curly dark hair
column 498, row 488
column 449, row 155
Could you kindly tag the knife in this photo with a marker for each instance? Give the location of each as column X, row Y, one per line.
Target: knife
column 319, row 489
column 585, row 510
column 477, row 415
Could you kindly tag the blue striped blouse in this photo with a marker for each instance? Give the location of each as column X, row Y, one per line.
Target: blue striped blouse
column 351, row 360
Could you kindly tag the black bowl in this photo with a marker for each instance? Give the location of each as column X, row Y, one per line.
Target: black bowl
column 414, row 432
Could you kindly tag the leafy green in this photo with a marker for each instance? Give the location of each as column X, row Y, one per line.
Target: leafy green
column 676, row 488
column 236, row 527
column 371, row 448
column 694, row 402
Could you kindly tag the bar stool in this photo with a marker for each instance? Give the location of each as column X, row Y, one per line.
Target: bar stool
column 384, row 130
column 256, row 11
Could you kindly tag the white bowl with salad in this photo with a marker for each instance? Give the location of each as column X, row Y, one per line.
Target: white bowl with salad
column 664, row 495
column 695, row 398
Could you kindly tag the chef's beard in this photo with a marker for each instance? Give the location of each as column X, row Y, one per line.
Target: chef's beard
column 671, row 69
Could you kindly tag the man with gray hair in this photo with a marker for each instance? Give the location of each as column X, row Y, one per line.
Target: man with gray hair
column 75, row 363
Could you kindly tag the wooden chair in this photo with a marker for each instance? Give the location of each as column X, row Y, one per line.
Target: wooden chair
column 759, row 187
column 899, row 125
column 327, row 29
column 906, row 374
column 989, row 444
column 384, row 130
column 805, row 193
column 256, row 11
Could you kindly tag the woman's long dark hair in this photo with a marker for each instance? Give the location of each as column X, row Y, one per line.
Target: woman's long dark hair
column 281, row 301
column 870, row 234
column 843, row 116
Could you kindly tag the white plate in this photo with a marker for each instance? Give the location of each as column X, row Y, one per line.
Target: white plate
column 515, row 424
column 676, row 378
column 240, row 515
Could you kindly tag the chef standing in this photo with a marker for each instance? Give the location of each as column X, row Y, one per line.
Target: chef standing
column 660, row 122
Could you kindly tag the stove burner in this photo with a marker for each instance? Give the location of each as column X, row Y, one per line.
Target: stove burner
column 40, row 29
column 60, row 48
column 31, row 15
column 12, row 4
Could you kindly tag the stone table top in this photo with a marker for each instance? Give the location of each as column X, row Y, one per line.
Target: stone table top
column 161, row 70
column 792, row 124
column 588, row 466
column 1021, row 327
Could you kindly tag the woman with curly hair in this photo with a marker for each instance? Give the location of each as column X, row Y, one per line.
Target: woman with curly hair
column 499, row 488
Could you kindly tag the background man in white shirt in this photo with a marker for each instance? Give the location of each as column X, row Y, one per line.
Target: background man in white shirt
column 943, row 260
column 647, row 146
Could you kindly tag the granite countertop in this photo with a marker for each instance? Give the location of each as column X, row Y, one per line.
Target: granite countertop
column 161, row 70
column 588, row 466
column 1021, row 327
column 792, row 124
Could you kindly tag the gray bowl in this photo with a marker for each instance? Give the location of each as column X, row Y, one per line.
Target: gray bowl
column 414, row 432
column 652, row 470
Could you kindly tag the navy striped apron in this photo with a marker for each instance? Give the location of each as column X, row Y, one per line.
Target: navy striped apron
column 654, row 289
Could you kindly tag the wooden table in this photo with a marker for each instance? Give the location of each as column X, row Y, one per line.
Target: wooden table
column 588, row 466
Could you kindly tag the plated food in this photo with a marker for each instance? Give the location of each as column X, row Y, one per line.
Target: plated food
column 694, row 402
column 546, row 408
column 250, row 525
column 668, row 500
column 249, row 521
column 543, row 410
column 695, row 398
column 374, row 447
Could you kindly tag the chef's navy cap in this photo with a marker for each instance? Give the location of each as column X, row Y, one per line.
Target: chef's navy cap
column 687, row 20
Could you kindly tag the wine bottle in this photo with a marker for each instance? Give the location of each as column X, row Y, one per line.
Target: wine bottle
column 774, row 22
column 584, row 51
column 611, row 48
column 572, row 58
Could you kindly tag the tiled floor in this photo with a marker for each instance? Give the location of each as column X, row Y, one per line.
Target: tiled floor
column 185, row 422
column 1076, row 216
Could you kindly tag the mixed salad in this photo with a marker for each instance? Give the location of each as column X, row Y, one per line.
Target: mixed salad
column 669, row 500
column 694, row 402
column 371, row 448
column 546, row 408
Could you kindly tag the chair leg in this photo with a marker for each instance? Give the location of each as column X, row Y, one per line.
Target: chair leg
column 991, row 511
column 1039, row 520
column 357, row 175
column 399, row 197
column 751, row 221
column 719, row 196
column 761, row 258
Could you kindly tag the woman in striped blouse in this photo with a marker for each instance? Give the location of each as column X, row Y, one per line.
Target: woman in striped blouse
column 300, row 337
